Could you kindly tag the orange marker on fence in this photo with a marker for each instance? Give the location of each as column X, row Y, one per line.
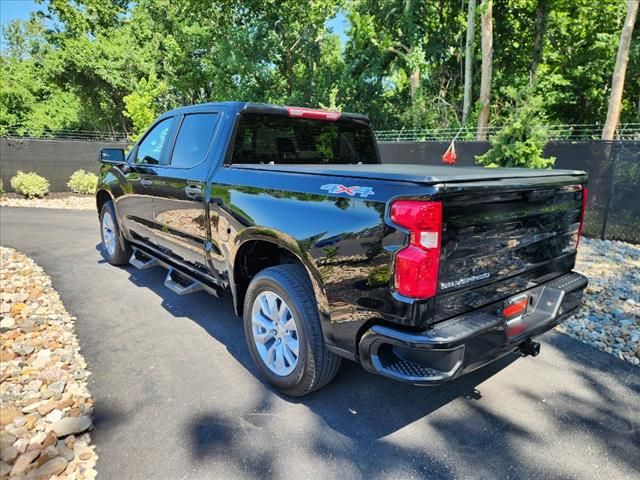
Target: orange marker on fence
column 450, row 155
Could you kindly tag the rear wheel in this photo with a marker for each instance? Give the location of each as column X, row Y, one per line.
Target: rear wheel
column 284, row 336
column 114, row 247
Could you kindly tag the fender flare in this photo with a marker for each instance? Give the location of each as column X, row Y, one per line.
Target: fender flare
column 288, row 243
column 102, row 188
column 99, row 190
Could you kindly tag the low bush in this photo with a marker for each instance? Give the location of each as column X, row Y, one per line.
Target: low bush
column 30, row 184
column 1, row 187
column 83, row 182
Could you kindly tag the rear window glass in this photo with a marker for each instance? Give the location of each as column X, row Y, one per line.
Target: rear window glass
column 264, row 138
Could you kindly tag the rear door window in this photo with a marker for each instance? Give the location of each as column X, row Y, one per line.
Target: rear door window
column 194, row 137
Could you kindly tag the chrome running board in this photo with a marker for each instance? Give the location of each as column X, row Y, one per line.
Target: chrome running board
column 142, row 261
column 181, row 284
column 177, row 279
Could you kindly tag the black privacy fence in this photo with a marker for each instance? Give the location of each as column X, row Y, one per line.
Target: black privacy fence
column 55, row 160
column 613, row 211
column 613, row 208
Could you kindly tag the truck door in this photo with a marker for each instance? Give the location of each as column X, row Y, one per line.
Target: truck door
column 178, row 190
column 135, row 206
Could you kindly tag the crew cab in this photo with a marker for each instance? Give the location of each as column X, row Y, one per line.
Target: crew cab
column 419, row 273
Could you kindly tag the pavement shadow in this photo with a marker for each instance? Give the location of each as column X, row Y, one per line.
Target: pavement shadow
column 351, row 403
column 597, row 407
column 358, row 413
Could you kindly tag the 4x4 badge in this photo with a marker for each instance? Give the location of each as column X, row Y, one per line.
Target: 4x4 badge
column 364, row 192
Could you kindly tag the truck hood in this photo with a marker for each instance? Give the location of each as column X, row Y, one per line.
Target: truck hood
column 423, row 174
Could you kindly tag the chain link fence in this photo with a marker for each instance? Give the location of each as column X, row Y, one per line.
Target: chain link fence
column 626, row 131
column 613, row 209
column 65, row 134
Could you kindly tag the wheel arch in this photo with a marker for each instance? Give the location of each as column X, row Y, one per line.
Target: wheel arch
column 102, row 196
column 257, row 252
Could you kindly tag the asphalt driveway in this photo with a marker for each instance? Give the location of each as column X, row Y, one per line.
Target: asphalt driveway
column 177, row 395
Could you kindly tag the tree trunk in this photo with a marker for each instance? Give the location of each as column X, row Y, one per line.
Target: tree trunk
column 617, row 82
column 414, row 85
column 485, row 81
column 468, row 61
column 541, row 20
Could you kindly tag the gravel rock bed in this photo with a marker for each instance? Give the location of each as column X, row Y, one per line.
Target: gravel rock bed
column 46, row 407
column 610, row 317
column 69, row 201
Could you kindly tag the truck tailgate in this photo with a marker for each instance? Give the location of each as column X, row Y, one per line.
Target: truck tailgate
column 502, row 241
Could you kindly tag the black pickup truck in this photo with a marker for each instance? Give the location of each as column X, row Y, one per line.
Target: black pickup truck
column 419, row 273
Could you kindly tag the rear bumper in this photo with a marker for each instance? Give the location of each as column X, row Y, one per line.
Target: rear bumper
column 462, row 344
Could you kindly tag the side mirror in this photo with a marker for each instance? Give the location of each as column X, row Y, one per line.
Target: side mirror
column 114, row 156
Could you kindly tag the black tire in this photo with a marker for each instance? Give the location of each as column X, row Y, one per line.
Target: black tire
column 122, row 251
column 316, row 366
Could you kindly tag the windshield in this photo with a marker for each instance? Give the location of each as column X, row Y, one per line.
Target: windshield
column 268, row 138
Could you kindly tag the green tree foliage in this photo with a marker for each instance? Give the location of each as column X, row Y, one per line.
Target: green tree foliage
column 579, row 58
column 403, row 59
column 521, row 141
column 113, row 64
column 143, row 105
column 29, row 101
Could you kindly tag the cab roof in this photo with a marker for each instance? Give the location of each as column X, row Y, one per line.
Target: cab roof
column 238, row 107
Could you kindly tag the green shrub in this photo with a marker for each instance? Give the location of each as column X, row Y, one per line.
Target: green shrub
column 1, row 187
column 83, row 182
column 379, row 276
column 30, row 184
column 521, row 141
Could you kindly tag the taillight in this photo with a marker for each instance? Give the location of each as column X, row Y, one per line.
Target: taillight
column 311, row 113
column 584, row 208
column 416, row 266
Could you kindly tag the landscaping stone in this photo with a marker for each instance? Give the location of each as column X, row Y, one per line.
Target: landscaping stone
column 54, row 416
column 24, row 461
column 7, row 413
column 67, row 453
column 6, row 440
column 9, row 454
column 48, row 470
column 44, row 394
column 610, row 317
column 7, row 322
column 70, row 425
column 66, row 201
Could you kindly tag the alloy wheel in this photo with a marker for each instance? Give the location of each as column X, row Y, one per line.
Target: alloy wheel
column 275, row 333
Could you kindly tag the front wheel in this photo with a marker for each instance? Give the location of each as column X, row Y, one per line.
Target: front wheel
column 115, row 248
column 283, row 332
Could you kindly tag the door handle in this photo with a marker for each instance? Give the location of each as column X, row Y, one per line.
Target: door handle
column 145, row 183
column 193, row 191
